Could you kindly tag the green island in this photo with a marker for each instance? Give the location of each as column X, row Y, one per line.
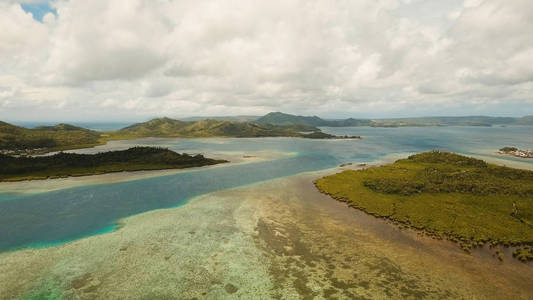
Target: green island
column 445, row 195
column 16, row 140
column 167, row 127
column 72, row 164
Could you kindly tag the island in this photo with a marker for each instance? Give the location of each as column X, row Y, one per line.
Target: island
column 13, row 168
column 16, row 140
column 513, row 151
column 446, row 196
column 279, row 118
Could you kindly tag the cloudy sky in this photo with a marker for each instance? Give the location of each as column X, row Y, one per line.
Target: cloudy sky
column 127, row 60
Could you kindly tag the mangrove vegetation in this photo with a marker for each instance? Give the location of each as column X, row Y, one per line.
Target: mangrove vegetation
column 446, row 195
column 72, row 164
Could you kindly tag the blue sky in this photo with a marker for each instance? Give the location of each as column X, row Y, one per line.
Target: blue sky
column 38, row 9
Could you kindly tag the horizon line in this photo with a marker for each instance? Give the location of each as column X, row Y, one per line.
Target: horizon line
column 251, row 115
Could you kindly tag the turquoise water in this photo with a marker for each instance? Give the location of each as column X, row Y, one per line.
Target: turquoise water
column 35, row 220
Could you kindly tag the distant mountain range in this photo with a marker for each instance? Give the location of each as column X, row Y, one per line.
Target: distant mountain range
column 279, row 118
column 20, row 140
column 275, row 124
column 166, row 127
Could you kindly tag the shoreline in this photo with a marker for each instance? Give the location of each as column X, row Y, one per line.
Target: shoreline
column 52, row 184
column 53, row 177
column 502, row 160
column 106, row 141
column 272, row 238
column 493, row 246
column 489, row 246
column 513, row 155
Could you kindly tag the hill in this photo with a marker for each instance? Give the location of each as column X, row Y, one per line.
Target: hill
column 278, row 118
column 166, row 127
column 72, row 164
column 160, row 127
column 221, row 118
column 61, row 136
column 445, row 195
column 20, row 140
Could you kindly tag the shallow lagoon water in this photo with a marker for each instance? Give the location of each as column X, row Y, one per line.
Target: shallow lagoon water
column 63, row 215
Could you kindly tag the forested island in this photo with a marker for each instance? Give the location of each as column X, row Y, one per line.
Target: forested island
column 72, row 164
column 445, row 195
column 167, row 127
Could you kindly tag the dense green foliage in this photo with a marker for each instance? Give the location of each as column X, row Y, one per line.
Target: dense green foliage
column 461, row 174
column 62, row 136
column 508, row 149
column 447, row 195
column 71, row 164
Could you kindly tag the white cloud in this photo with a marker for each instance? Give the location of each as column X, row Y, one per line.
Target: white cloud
column 140, row 58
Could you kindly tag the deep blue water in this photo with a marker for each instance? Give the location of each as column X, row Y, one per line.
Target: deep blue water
column 63, row 215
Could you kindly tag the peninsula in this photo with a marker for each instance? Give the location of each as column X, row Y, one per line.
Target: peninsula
column 72, row 164
column 445, row 195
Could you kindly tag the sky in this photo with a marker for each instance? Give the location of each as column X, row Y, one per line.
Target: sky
column 131, row 60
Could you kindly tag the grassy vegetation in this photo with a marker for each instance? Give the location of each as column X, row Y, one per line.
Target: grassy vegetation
column 71, row 164
column 446, row 195
column 51, row 138
column 166, row 127
column 44, row 139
